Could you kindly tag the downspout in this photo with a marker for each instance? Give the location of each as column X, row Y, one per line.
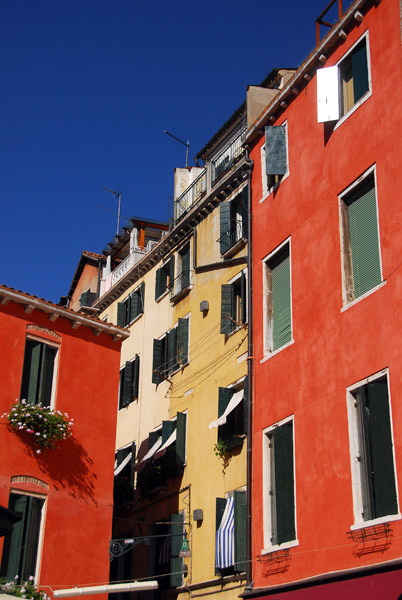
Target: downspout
column 250, row 359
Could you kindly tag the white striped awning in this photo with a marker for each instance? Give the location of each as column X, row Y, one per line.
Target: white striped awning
column 224, row 554
column 120, row 467
column 234, row 401
column 165, row 551
column 150, row 452
column 169, row 442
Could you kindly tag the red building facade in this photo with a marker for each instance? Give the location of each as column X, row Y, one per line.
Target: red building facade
column 327, row 248
column 69, row 362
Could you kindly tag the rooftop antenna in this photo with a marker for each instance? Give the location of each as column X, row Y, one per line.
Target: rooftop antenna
column 117, row 196
column 187, row 144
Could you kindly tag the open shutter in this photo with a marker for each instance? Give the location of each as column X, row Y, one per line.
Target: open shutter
column 153, row 437
column 327, row 94
column 136, row 376
column 226, row 430
column 284, row 483
column 185, row 268
column 176, row 563
column 158, row 360
column 225, row 227
column 245, row 404
column 240, row 545
column 84, row 298
column 46, row 375
column 121, row 314
column 171, row 272
column 160, row 282
column 243, row 298
column 172, row 350
column 31, row 371
column 276, row 155
column 128, row 384
column 182, row 341
column 31, row 538
column 13, row 544
column 244, row 211
column 181, row 438
column 281, row 303
column 141, row 298
column 132, row 464
column 135, row 302
column 227, row 308
column 168, row 428
column 360, row 72
column 225, row 395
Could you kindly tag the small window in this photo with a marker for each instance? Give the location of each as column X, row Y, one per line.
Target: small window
column 234, row 223
column 20, row 553
column 278, row 305
column 164, row 278
column 129, row 382
column 38, row 374
column 360, row 240
column 274, row 157
column 232, row 415
column 170, row 352
column 230, row 541
column 233, row 305
column 124, row 474
column 344, row 86
column 372, row 456
column 131, row 307
column 182, row 280
column 279, row 485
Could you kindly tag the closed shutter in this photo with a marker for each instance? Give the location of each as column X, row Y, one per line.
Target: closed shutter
column 84, row 299
column 172, row 350
column 181, row 438
column 121, row 314
column 171, row 272
column 182, row 341
column 281, row 304
column 185, row 269
column 363, row 232
column 161, row 281
column 240, row 545
column 136, row 376
column 225, row 227
column 360, row 71
column 284, row 484
column 176, row 563
column 243, row 298
column 275, row 150
column 227, row 308
column 46, row 375
column 158, row 360
column 128, row 384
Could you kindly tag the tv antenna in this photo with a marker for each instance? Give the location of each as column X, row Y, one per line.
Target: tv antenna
column 187, row 144
column 117, row 196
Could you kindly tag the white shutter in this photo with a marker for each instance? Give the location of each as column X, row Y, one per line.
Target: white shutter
column 327, row 94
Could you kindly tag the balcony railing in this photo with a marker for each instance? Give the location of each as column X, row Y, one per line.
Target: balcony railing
column 227, row 157
column 181, row 284
column 191, row 195
column 127, row 264
column 231, row 237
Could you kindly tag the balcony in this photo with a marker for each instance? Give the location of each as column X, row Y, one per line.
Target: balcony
column 134, row 256
column 232, row 239
column 181, row 285
column 191, row 195
column 227, row 157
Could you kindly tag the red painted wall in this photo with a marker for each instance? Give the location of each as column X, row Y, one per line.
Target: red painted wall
column 332, row 349
column 78, row 477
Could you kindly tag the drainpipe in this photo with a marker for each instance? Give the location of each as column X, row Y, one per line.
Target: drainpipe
column 250, row 360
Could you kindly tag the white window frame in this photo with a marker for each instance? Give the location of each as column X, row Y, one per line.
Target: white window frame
column 266, row 479
column 267, row 191
column 354, row 447
column 55, row 364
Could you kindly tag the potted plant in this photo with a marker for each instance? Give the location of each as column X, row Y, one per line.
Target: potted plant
column 26, row 589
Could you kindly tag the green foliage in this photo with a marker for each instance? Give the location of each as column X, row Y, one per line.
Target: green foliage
column 27, row 589
column 220, row 450
column 46, row 426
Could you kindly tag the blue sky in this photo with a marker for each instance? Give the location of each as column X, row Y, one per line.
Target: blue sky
column 87, row 89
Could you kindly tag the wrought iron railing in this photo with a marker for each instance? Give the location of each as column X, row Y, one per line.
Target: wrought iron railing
column 191, row 195
column 232, row 236
column 181, row 283
column 227, row 157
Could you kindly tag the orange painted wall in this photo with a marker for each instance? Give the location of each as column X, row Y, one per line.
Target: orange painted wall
column 78, row 475
column 332, row 349
column 87, row 281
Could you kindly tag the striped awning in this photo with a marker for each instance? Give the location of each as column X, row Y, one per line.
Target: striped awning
column 123, row 463
column 165, row 551
column 150, row 452
column 224, row 555
column 169, row 442
column 234, row 401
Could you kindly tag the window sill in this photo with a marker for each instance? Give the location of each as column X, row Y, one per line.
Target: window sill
column 134, row 320
column 350, row 112
column 271, row 354
column 273, row 189
column 378, row 521
column 238, row 328
column 284, row 546
column 235, row 248
column 180, row 294
column 165, row 293
column 357, row 300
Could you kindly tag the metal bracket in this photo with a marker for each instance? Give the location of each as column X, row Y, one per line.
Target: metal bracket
column 121, row 546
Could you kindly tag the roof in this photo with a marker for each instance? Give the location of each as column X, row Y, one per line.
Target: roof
column 84, row 259
column 55, row 311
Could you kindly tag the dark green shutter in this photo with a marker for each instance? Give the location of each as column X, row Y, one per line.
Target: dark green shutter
column 244, row 211
column 185, row 268
column 284, row 484
column 46, row 375
column 281, row 303
column 224, row 397
column 227, row 308
column 153, row 438
column 132, row 464
column 158, row 360
column 121, row 314
column 13, row 544
column 158, row 276
column 136, row 376
column 31, row 370
column 240, row 545
column 243, row 298
column 225, row 226
column 363, row 232
column 181, row 438
column 31, row 538
column 84, row 299
column 172, row 350
column 227, row 430
column 128, row 384
column 182, row 341
column 275, row 150
column 360, row 72
column 135, row 303
column 141, row 298
column 168, row 428
column 171, row 272
column 176, row 563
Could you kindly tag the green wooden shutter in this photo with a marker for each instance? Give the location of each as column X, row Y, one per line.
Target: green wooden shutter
column 243, row 298
column 153, row 438
column 46, row 375
column 181, row 438
column 360, row 71
column 364, row 242
column 182, row 341
column 275, row 150
column 128, row 384
column 281, row 303
column 136, row 376
column 132, row 464
column 135, row 303
column 284, row 484
column 240, row 545
column 244, row 211
column 176, row 563
column 185, row 268
column 172, row 350
column 84, row 299
column 227, row 430
column 227, row 308
column 13, row 544
column 171, row 272
column 31, row 371
column 224, row 397
column 31, row 538
column 168, row 428
column 158, row 285
column 225, row 227
column 121, row 314
column 158, row 360
column 141, row 298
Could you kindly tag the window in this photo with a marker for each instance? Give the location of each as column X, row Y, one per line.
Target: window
column 131, row 307
column 124, row 474
column 274, row 157
column 38, row 373
column 234, row 304
column 129, row 382
column 170, row 352
column 372, row 455
column 230, row 542
column 20, row 552
column 233, row 223
column 164, row 278
column 278, row 309
column 182, row 281
column 344, row 86
column 88, row 298
column 360, row 239
column 279, row 485
column 232, row 415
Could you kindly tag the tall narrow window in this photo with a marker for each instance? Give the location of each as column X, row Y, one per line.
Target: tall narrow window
column 131, row 307
column 233, row 304
column 129, row 382
column 38, row 372
column 234, row 223
column 230, row 542
column 278, row 300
